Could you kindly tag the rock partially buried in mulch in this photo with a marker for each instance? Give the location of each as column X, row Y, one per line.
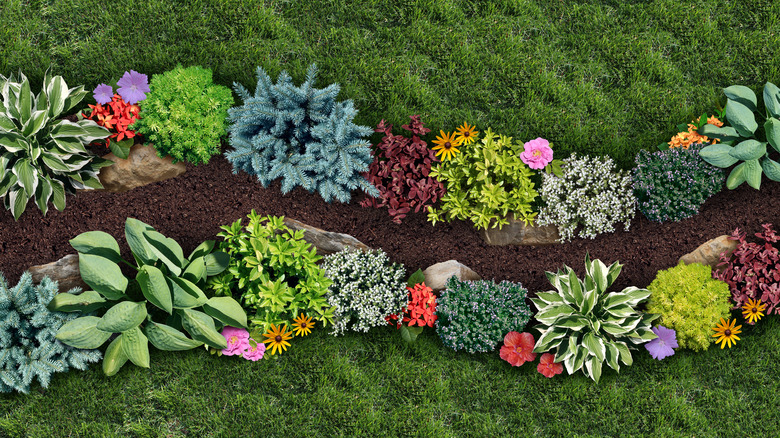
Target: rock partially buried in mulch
column 518, row 233
column 64, row 271
column 141, row 167
column 326, row 242
column 436, row 276
column 709, row 252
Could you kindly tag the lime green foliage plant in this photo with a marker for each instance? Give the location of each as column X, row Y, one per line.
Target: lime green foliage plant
column 273, row 271
column 41, row 156
column 585, row 325
column 486, row 182
column 165, row 297
column 751, row 141
column 691, row 302
column 185, row 114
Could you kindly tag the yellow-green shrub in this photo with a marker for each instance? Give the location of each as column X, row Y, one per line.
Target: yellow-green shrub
column 689, row 301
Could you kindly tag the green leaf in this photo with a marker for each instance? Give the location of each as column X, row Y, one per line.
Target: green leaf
column 121, row 148
column 575, row 288
column 748, row 150
column 736, row 177
column 772, row 128
column 26, row 176
column 18, row 201
column 103, row 276
column 84, row 302
column 595, row 345
column 216, row 262
column 226, row 310
column 417, row 278
column 573, row 322
column 593, row 365
column 549, row 297
column 547, row 340
column 12, row 142
column 92, row 131
column 625, row 354
column 25, row 101
column 57, row 194
column 114, row 358
column 123, row 316
column 771, row 169
column 166, row 250
column 753, row 173
column 55, row 93
column 83, row 333
column 42, row 195
column 741, row 118
column 409, row 334
column 155, row 288
column 203, row 249
column 136, row 347
column 37, row 121
column 551, row 313
column 201, row 327
column 772, row 99
column 196, row 270
column 74, row 96
column 167, row 338
column 134, row 230
column 725, row 133
column 97, row 243
column 743, row 95
column 612, row 356
column 6, row 183
column 186, row 295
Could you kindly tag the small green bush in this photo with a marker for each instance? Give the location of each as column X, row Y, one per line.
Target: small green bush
column 185, row 114
column 691, row 302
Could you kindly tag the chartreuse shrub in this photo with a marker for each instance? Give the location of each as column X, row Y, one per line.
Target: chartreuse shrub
column 185, row 114
column 585, row 326
column 751, row 139
column 485, row 182
column 165, row 297
column 28, row 347
column 476, row 315
column 689, row 301
column 366, row 288
column 41, row 156
column 671, row 185
column 273, row 272
column 301, row 135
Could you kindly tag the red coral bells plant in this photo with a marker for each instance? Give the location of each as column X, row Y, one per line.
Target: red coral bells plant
column 518, row 348
column 753, row 270
column 116, row 116
column 419, row 313
column 401, row 170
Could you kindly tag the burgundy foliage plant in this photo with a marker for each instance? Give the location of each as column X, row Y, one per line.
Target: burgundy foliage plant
column 400, row 171
column 753, row 270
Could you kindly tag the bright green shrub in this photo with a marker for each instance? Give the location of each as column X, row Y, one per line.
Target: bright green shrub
column 485, row 182
column 185, row 114
column 691, row 302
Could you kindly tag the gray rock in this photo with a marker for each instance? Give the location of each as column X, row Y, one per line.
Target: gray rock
column 326, row 242
column 436, row 276
column 517, row 233
column 141, row 167
column 709, row 252
column 65, row 271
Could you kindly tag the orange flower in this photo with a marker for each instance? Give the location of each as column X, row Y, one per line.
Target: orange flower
column 714, row 121
column 686, row 139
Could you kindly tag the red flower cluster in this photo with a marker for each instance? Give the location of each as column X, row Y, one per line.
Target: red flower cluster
column 421, row 310
column 518, row 349
column 115, row 116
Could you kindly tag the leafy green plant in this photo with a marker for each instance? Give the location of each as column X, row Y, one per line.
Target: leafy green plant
column 485, row 182
column 28, row 347
column 273, row 271
column 165, row 297
column 585, row 325
column 743, row 116
column 185, row 114
column 42, row 157
column 691, row 302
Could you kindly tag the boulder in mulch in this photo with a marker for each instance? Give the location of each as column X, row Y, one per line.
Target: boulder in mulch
column 141, row 167
column 709, row 252
column 518, row 233
column 64, row 271
column 326, row 242
column 436, row 276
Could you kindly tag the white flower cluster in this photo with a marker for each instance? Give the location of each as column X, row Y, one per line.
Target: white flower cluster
column 366, row 288
column 591, row 194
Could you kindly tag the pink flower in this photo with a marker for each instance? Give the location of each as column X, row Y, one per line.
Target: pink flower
column 518, row 348
column 547, row 367
column 254, row 353
column 237, row 340
column 537, row 153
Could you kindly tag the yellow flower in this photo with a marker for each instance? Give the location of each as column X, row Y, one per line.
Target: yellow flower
column 727, row 333
column 466, row 134
column 303, row 325
column 446, row 145
column 752, row 310
column 277, row 339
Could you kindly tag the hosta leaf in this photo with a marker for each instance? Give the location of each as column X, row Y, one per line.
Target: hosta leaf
column 642, row 335
column 772, row 99
column 55, row 93
column 36, row 122
column 743, row 95
column 736, row 177
column 196, row 270
column 54, row 162
column 6, row 183
column 167, row 338
column 97, row 243
column 770, row 167
column 74, row 96
column 114, row 358
column 83, row 333
column 593, row 365
column 216, row 262
column 772, row 129
column 92, row 131
column 725, row 133
column 134, row 230
column 753, row 173
column 136, row 347
column 226, row 310
column 576, row 361
column 123, row 316
column 103, row 276
column 18, row 201
column 549, row 297
column 84, row 302
column 575, row 288
column 621, row 311
column 69, row 145
column 27, row 176
column 613, row 272
column 201, row 327
column 155, row 288
column 186, row 295
column 591, row 296
column 741, row 118
column 567, row 348
column 166, row 250
column 550, row 313
column 595, row 345
column 25, row 101
column 748, row 150
column 65, row 128
column 549, row 339
column 573, row 322
column 202, row 250
column 12, row 142
column 625, row 354
column 57, row 194
column 612, row 356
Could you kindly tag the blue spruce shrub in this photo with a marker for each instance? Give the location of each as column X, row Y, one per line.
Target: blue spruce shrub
column 28, row 348
column 301, row 135
column 672, row 184
column 476, row 315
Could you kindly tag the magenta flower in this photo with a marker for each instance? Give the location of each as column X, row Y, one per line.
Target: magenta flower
column 664, row 345
column 254, row 353
column 537, row 153
column 237, row 341
column 103, row 94
column 133, row 87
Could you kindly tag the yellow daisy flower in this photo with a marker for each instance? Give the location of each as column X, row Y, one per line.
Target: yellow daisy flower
column 446, row 145
column 752, row 310
column 277, row 339
column 727, row 333
column 466, row 134
column 303, row 325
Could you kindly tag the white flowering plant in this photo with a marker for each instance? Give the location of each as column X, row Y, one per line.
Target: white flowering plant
column 591, row 196
column 367, row 287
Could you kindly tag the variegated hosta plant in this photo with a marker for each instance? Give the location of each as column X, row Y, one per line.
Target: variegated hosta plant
column 585, row 325
column 42, row 157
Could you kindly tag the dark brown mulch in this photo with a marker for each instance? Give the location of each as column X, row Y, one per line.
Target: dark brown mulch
column 191, row 208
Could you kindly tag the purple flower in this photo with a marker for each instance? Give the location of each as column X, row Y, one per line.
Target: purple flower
column 237, row 341
column 663, row 345
column 537, row 153
column 103, row 94
column 133, row 87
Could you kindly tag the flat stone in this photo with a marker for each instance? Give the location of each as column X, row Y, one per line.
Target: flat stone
column 141, row 167
column 326, row 242
column 436, row 276
column 709, row 252
column 64, row 271
column 518, row 233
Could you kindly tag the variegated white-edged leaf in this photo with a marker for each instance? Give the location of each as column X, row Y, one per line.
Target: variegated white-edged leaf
column 625, row 353
column 6, row 183
column 57, row 194
column 621, row 311
column 37, row 120
column 575, row 288
column 42, row 195
column 554, row 279
column 54, row 162
column 612, row 356
column 593, row 367
column 74, row 96
column 549, row 339
column 575, row 362
column 614, row 329
column 642, row 335
column 5, row 164
column 13, row 142
column 17, row 201
column 68, row 145
column 594, row 344
column 591, row 296
column 599, row 273
column 65, row 128
column 612, row 272
column 549, row 298
column 572, row 322
column 55, row 93
column 92, row 131
column 27, row 176
column 88, row 180
column 636, row 294
column 25, row 102
column 6, row 124
column 567, row 348
column 552, row 312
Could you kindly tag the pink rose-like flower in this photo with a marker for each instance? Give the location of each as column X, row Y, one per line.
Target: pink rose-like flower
column 237, row 340
column 537, row 153
column 547, row 367
column 254, row 353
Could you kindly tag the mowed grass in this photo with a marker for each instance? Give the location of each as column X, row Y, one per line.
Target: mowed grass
column 595, row 77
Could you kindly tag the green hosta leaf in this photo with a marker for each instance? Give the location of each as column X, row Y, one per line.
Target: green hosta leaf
column 56, row 90
column 743, row 95
column 68, row 145
column 114, row 358
column 748, row 150
column 595, row 345
column 57, row 194
column 196, row 270
column 27, row 176
column 74, row 96
column 42, row 195
column 550, row 313
column 575, row 288
column 103, row 276
column 92, row 131
column 83, row 333
column 614, row 329
column 226, row 310
column 186, row 295
column 201, row 327
column 736, row 177
column 203, row 249
column 573, row 322
column 753, row 173
column 97, row 243
column 6, row 124
column 166, row 250
column 621, row 311
column 549, row 298
column 612, row 356
column 771, row 169
column 575, row 361
column 123, row 316
column 136, row 347
column 84, row 302
column 593, row 365
column 625, row 354
column 216, row 262
column 549, row 339
column 155, row 288
column 741, row 118
column 772, row 128
column 121, row 148
column 599, row 273
column 6, row 183
column 642, row 335
column 25, row 101
column 134, row 230
column 613, row 272
column 167, row 338
column 566, row 349
column 54, row 163
column 65, row 128
column 725, row 133
column 772, row 99
column 591, row 297
column 12, row 142
column 37, row 121
column 18, row 201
